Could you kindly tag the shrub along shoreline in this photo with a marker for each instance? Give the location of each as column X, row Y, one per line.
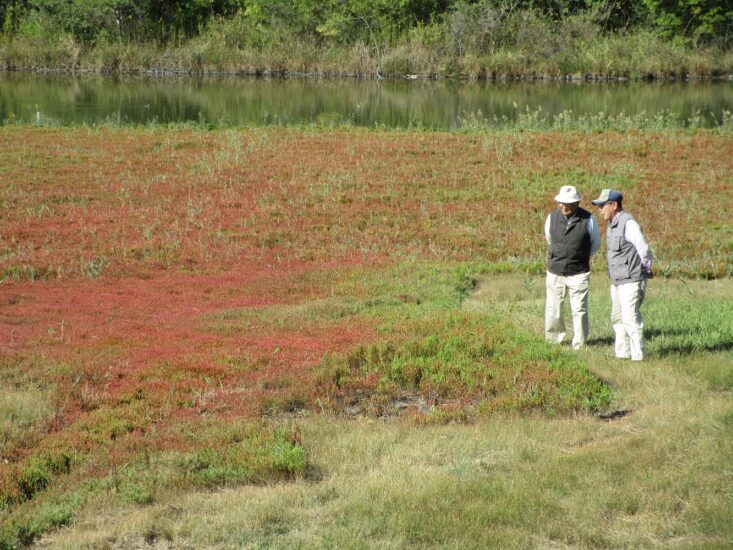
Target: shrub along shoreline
column 634, row 57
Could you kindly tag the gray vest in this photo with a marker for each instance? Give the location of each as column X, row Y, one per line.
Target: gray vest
column 624, row 263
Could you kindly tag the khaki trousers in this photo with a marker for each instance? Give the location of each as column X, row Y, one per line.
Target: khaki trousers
column 558, row 288
column 626, row 300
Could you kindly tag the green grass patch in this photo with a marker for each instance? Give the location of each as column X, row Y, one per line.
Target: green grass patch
column 385, row 295
column 685, row 319
column 213, row 454
column 689, row 324
column 22, row 481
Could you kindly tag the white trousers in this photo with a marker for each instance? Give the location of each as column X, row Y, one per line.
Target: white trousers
column 558, row 288
column 626, row 300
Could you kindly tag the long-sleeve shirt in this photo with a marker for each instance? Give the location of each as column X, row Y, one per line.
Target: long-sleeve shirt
column 633, row 234
column 593, row 230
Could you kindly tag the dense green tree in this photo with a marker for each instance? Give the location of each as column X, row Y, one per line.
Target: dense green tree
column 475, row 22
column 702, row 20
column 175, row 18
column 619, row 14
column 11, row 12
column 340, row 20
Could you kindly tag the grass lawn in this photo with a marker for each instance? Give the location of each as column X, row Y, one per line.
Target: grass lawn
column 332, row 338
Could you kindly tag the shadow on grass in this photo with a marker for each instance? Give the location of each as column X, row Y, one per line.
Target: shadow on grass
column 689, row 349
column 314, row 473
column 683, row 342
column 602, row 341
column 614, row 415
column 682, row 345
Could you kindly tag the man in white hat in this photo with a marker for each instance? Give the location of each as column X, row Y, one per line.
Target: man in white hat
column 573, row 237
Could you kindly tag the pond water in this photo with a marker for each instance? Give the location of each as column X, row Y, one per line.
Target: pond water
column 68, row 99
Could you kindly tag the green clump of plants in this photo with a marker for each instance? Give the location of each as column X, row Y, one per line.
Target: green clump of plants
column 24, row 481
column 469, row 358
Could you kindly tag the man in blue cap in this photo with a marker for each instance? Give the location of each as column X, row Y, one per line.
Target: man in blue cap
column 629, row 267
column 573, row 237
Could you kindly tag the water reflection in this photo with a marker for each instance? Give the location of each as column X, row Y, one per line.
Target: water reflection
column 246, row 101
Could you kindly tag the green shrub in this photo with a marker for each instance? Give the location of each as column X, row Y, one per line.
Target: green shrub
column 137, row 494
column 468, row 357
column 9, row 537
column 33, row 478
column 38, row 472
column 288, row 456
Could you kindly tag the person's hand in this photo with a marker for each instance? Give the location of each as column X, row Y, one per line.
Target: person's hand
column 650, row 275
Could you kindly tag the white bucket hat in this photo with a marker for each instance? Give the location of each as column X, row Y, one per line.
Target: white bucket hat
column 568, row 195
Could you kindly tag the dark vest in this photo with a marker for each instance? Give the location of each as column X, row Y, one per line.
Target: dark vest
column 569, row 252
column 624, row 263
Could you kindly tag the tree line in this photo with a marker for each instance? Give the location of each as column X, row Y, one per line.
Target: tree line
column 482, row 24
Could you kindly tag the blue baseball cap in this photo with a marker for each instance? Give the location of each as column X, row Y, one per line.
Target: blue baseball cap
column 608, row 195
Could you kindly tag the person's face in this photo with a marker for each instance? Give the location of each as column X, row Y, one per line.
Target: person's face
column 567, row 209
column 608, row 210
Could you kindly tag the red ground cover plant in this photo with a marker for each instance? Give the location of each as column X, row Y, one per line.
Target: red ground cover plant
column 122, row 252
column 129, row 335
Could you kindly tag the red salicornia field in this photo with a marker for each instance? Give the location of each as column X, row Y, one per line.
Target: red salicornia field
column 172, row 301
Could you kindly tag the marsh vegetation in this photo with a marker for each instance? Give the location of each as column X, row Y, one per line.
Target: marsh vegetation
column 332, row 337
